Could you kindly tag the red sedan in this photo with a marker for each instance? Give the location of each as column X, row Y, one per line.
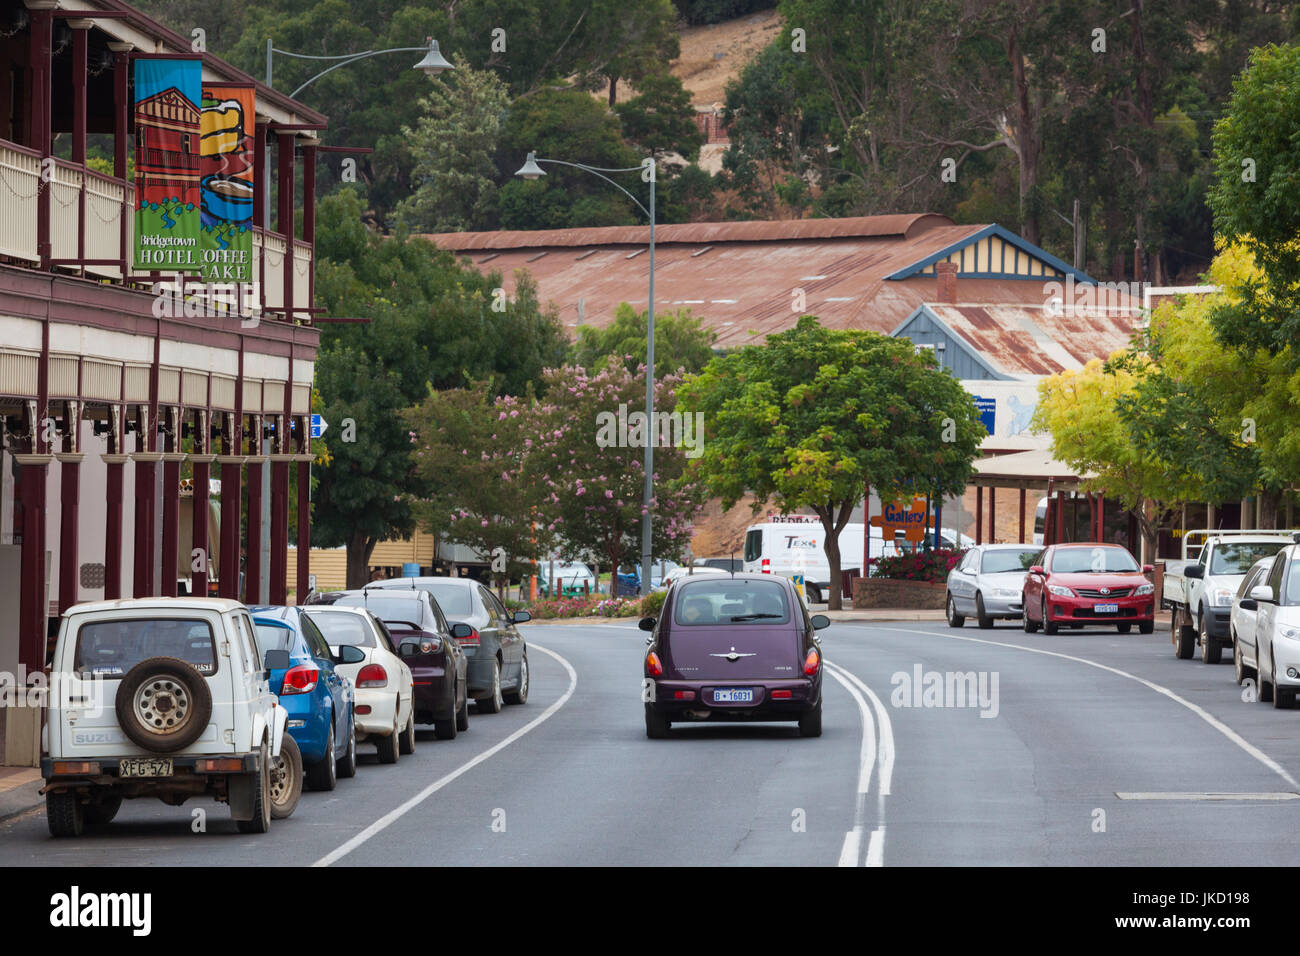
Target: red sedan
column 1075, row 585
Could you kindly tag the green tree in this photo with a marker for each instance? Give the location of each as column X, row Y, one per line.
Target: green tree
column 660, row 118
column 813, row 414
column 682, row 342
column 453, row 145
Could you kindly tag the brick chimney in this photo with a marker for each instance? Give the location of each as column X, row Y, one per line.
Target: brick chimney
column 946, row 272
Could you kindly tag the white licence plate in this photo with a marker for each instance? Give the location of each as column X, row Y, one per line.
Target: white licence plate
column 145, row 767
column 1106, row 608
column 733, row 696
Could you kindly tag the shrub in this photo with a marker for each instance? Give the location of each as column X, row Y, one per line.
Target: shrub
column 932, row 565
column 652, row 604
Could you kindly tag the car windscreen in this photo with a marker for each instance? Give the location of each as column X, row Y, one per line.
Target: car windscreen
column 1236, row 557
column 726, row 600
column 1291, row 590
column 113, row 647
column 340, row 627
column 1092, row 561
column 274, row 637
column 404, row 610
column 1010, row 560
column 454, row 599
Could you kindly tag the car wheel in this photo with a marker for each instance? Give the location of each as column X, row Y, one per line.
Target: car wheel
column 493, row 703
column 445, row 728
column 814, row 593
column 323, row 775
column 1124, row 628
column 286, row 779
column 1146, row 627
column 1265, row 687
column 810, row 724
column 656, row 724
column 1283, row 697
column 261, row 821
column 954, row 619
column 407, row 744
column 1030, row 626
column 1240, row 670
column 1211, row 649
column 1184, row 638
column 462, row 715
column 388, row 746
column 163, row 704
column 980, row 614
column 64, row 814
column 348, row 766
column 1048, row 626
column 520, row 694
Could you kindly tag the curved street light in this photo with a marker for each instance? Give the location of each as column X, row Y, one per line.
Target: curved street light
column 531, row 171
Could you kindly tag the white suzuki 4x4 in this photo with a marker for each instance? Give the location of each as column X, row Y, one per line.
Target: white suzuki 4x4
column 161, row 697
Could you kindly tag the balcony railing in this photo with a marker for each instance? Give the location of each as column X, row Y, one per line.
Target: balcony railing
column 90, row 219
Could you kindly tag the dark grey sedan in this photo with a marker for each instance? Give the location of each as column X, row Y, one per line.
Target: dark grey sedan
column 497, row 653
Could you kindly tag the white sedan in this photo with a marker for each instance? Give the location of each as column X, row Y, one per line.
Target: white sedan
column 383, row 683
column 1241, row 620
column 677, row 573
column 1277, row 629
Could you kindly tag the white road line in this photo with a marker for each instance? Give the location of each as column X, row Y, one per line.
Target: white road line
column 1201, row 712
column 397, row 813
column 851, row 849
column 1282, row 795
column 886, row 732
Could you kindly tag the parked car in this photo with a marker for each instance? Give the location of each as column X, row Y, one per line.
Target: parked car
column 681, row 573
column 1200, row 591
column 570, row 578
column 430, row 648
column 174, row 703
column 1077, row 585
column 496, row 653
column 721, row 564
column 318, row 699
column 1245, row 614
column 989, row 582
column 1277, row 628
column 731, row 648
column 383, row 688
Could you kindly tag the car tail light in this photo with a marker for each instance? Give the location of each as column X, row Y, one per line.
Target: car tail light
column 683, row 695
column 63, row 768
column 781, row 695
column 300, row 680
column 430, row 645
column 221, row 765
column 363, row 710
column 372, row 675
column 767, row 565
column 472, row 639
column 812, row 663
column 653, row 665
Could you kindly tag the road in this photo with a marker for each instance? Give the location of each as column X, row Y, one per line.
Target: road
column 570, row 779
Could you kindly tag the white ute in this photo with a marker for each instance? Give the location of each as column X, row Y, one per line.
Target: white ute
column 160, row 697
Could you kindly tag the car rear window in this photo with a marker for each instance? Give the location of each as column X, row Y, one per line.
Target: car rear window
column 113, row 647
column 454, row 599
column 274, row 637
column 339, row 627
column 725, row 600
column 399, row 608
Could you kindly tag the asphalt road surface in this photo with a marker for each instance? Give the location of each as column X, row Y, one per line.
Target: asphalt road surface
column 1085, row 748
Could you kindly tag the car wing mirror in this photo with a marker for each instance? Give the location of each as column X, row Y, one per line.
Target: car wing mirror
column 349, row 654
column 519, row 617
column 647, row 623
column 1036, row 569
column 820, row 621
column 1261, row 592
column 1148, row 568
column 276, row 660
column 461, row 631
column 1248, row 604
column 1194, row 571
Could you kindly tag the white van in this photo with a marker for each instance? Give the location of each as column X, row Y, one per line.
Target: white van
column 795, row 544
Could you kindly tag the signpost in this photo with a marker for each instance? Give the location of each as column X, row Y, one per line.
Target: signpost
column 318, row 426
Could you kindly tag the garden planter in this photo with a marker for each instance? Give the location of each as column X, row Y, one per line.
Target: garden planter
column 898, row 593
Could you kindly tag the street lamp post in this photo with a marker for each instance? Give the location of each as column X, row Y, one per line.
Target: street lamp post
column 531, row 170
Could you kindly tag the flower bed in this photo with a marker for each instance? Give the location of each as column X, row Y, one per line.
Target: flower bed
column 922, row 566
column 585, row 606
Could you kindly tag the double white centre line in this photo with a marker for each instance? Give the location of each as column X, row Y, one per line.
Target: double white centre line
column 877, row 750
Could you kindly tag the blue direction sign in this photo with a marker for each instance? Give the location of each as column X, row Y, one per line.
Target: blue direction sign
column 988, row 408
column 318, row 426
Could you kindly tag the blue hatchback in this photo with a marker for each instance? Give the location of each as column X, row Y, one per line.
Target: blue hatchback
column 318, row 700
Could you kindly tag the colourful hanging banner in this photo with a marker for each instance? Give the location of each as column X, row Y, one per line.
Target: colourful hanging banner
column 227, row 182
column 167, row 164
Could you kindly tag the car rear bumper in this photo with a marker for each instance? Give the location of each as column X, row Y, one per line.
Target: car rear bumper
column 309, row 726
column 188, row 772
column 478, row 674
column 433, row 694
column 382, row 715
column 694, row 700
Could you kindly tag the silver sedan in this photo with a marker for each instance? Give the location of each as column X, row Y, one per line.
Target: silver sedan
column 988, row 583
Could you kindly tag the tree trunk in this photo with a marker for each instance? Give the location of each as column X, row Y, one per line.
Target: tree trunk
column 1268, row 508
column 613, row 91
column 359, row 549
column 1027, row 145
column 832, row 548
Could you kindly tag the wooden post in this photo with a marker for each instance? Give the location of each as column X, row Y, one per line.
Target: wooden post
column 1022, row 515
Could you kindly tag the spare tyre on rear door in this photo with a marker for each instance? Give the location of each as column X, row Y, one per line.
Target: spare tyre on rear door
column 163, row 704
